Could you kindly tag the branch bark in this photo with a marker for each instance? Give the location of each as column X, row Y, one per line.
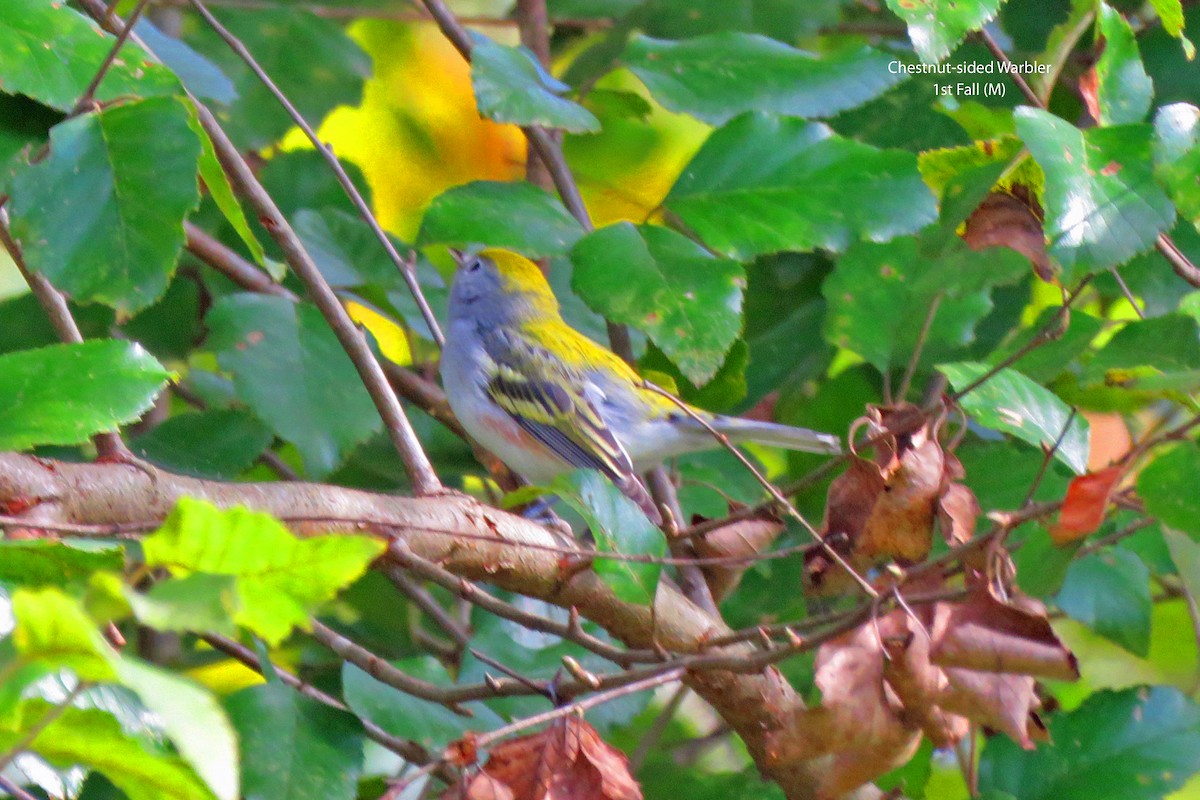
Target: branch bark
column 759, row 706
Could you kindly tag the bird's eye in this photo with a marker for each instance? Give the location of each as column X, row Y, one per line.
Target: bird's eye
column 475, row 265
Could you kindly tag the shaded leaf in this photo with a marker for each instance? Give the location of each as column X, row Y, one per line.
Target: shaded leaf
column 1177, row 156
column 323, row 745
column 763, row 184
column 196, row 602
column 1124, row 90
column 1167, row 486
column 102, row 215
column 744, row 538
column 292, row 372
column 199, row 76
column 686, row 300
column 40, row 562
column 1109, row 592
column 1139, row 743
column 716, row 77
column 220, row 443
column 64, row 393
column 516, row 216
column 1012, row 403
column 618, row 526
column 511, row 85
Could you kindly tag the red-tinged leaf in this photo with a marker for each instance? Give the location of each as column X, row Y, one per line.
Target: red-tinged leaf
column 957, row 511
column 1013, row 221
column 1087, row 500
column 983, row 633
column 1089, row 89
column 850, row 499
column 566, row 761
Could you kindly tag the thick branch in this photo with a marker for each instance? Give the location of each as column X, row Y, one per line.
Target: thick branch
column 756, row 705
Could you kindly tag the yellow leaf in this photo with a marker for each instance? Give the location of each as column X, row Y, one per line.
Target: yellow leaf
column 389, row 335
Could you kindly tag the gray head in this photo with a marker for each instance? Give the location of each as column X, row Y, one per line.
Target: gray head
column 497, row 287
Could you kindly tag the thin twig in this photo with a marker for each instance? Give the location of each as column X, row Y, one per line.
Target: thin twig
column 212, row 252
column 408, row 750
column 783, row 502
column 1047, row 457
column 108, row 444
column 335, row 164
column 14, row 791
column 85, row 100
column 911, row 370
column 1128, row 294
column 43, row 722
column 657, row 728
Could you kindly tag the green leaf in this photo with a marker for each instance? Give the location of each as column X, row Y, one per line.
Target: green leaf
column 311, row 59
column 763, row 184
column 1012, row 403
column 1124, row 89
column 39, row 562
column 102, row 215
column 1166, row 344
column 1185, row 553
column 1177, row 156
column 52, row 627
column 196, row 602
column 785, row 20
column 64, row 393
column 1110, row 593
column 517, row 216
column 347, row 251
column 209, row 444
column 936, row 27
column 1136, row 744
column 714, row 78
column 281, row 580
column 618, row 526
column 431, row 724
column 511, row 85
column 292, row 372
column 94, row 740
column 1171, row 14
column 1047, row 361
column 880, row 296
column 688, row 301
column 220, row 190
column 193, row 719
column 1102, row 204
column 1167, row 485
column 323, row 746
column 50, row 52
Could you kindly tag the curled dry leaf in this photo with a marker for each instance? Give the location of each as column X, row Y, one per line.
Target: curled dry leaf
column 1085, row 504
column 918, row 684
column 885, row 507
column 566, row 761
column 859, row 721
column 741, row 539
column 988, row 634
column 1012, row 220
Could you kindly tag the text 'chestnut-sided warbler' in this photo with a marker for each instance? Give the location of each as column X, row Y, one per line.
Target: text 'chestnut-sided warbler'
column 547, row 400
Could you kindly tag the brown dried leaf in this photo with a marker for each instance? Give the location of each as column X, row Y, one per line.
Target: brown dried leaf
column 1089, row 89
column 1002, row 701
column 957, row 512
column 859, row 720
column 1087, row 500
column 566, row 761
column 901, row 521
column 984, row 633
column 740, row 539
column 851, row 497
column 918, row 683
column 1012, row 221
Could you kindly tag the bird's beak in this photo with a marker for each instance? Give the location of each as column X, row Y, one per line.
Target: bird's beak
column 457, row 255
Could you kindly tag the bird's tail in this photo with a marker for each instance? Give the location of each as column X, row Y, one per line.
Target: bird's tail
column 771, row 433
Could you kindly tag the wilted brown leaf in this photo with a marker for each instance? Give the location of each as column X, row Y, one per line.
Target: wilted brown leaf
column 743, row 538
column 1087, row 500
column 957, row 512
column 1003, row 701
column 984, row 633
column 918, row 684
column 566, row 761
column 1012, row 221
column 901, row 521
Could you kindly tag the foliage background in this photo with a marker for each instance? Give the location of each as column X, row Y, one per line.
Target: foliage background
column 776, row 213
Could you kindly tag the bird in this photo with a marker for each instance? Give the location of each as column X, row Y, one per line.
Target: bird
column 546, row 399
